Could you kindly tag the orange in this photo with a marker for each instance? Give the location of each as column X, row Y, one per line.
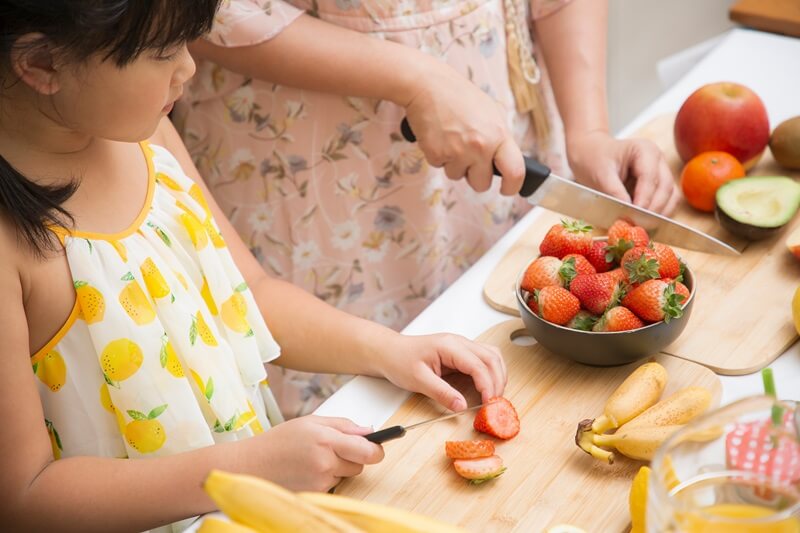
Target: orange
column 704, row 174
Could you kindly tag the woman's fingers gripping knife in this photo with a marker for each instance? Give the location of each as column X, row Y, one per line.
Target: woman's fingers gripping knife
column 349, row 444
column 509, row 162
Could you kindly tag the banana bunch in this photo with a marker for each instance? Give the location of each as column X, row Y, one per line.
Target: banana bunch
column 256, row 505
column 641, row 421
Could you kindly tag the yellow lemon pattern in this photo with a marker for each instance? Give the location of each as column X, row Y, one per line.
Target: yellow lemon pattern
column 169, row 182
column 201, row 329
column 145, row 434
column 121, row 359
column 216, row 238
column 234, row 312
column 105, row 399
column 55, row 440
column 205, row 292
column 133, row 299
column 153, row 280
column 169, row 359
column 195, row 230
column 182, row 280
column 197, row 196
column 51, row 370
column 92, row 304
column 121, row 250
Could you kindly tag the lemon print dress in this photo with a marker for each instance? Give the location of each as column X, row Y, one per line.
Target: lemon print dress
column 164, row 350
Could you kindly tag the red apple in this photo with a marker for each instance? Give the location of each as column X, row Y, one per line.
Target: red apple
column 793, row 243
column 722, row 116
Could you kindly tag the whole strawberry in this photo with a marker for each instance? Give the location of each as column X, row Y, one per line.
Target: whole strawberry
column 597, row 292
column 680, row 288
column 622, row 236
column 581, row 265
column 554, row 304
column 669, row 266
column 618, row 319
column 541, row 273
column 655, row 300
column 569, row 237
column 597, row 257
column 583, row 321
column 640, row 263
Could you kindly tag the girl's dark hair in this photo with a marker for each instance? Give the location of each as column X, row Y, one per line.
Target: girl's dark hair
column 120, row 30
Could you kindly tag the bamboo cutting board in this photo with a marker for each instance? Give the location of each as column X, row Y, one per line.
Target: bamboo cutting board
column 549, row 480
column 777, row 16
column 742, row 317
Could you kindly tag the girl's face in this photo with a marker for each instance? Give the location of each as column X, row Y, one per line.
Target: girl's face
column 125, row 104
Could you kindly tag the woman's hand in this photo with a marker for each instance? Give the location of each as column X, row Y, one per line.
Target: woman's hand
column 312, row 452
column 418, row 363
column 461, row 128
column 621, row 167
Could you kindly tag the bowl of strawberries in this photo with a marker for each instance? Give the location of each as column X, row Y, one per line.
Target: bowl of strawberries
column 604, row 301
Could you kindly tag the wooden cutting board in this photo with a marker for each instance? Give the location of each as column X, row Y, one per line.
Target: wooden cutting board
column 742, row 317
column 777, row 16
column 549, row 480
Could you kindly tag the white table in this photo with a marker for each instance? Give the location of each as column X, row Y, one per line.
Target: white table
column 767, row 63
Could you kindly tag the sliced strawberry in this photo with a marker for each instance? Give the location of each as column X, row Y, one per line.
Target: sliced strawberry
column 569, row 237
column 583, row 321
column 468, row 449
column 655, row 300
column 497, row 418
column 554, row 304
column 618, row 319
column 598, row 292
column 669, row 265
column 478, row 471
column 597, row 257
column 542, row 273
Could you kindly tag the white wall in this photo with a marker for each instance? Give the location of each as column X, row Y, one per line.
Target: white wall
column 643, row 32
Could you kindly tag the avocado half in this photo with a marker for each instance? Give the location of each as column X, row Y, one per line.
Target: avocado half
column 758, row 207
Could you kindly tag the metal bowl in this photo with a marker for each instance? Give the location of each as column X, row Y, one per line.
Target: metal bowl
column 604, row 348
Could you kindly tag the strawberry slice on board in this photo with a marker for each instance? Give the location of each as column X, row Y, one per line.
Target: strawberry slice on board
column 497, row 418
column 478, row 471
column 468, row 449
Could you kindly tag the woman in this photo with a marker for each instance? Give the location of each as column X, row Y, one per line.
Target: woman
column 318, row 180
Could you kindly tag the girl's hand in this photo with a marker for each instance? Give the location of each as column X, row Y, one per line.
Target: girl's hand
column 461, row 128
column 418, row 364
column 620, row 166
column 312, row 452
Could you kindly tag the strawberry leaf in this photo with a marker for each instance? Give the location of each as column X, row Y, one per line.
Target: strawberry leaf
column 672, row 303
column 567, row 271
column 487, row 478
column 642, row 269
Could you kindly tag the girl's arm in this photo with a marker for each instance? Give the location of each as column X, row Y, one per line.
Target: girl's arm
column 573, row 41
column 457, row 125
column 317, row 337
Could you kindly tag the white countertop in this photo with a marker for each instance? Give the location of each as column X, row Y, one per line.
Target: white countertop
column 767, row 63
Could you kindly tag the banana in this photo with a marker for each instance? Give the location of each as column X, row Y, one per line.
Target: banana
column 265, row 506
column 637, row 443
column 676, row 410
column 638, row 392
column 375, row 518
column 215, row 525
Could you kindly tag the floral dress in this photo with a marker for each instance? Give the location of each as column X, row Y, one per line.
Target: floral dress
column 323, row 188
column 164, row 350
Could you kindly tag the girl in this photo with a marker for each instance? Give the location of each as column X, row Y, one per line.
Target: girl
column 141, row 307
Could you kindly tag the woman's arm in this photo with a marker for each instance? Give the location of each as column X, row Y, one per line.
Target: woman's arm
column 573, row 42
column 458, row 126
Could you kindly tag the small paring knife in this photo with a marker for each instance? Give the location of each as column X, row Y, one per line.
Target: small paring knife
column 570, row 198
column 395, row 432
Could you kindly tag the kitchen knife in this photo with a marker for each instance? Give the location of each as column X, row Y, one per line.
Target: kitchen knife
column 395, row 432
column 561, row 195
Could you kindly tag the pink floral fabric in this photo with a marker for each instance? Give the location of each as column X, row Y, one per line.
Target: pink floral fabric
column 324, row 189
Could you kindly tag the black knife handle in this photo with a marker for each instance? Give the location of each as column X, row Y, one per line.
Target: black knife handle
column 390, row 433
column 535, row 172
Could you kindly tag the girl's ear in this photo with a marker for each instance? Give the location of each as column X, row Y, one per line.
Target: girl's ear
column 33, row 61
